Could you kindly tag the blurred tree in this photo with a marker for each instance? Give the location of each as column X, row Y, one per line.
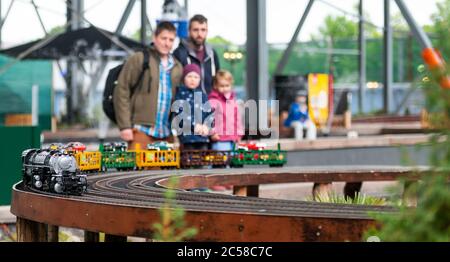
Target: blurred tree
column 430, row 220
column 219, row 41
column 441, row 27
column 334, row 28
column 57, row 30
column 137, row 35
column 340, row 33
column 399, row 26
column 221, row 45
column 403, row 48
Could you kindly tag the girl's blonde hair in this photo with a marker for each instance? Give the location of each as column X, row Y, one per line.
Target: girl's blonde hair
column 223, row 74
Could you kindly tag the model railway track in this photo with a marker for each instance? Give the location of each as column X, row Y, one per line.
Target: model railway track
column 126, row 204
column 135, row 188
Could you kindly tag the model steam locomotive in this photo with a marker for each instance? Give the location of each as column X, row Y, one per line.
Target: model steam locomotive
column 52, row 170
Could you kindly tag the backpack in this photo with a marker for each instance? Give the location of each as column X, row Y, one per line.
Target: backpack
column 111, row 83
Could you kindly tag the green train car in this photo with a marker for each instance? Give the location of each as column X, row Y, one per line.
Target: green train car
column 254, row 154
column 115, row 155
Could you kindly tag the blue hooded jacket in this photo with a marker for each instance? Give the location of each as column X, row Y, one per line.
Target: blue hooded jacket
column 296, row 114
column 186, row 95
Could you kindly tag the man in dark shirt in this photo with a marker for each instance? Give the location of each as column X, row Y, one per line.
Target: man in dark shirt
column 196, row 50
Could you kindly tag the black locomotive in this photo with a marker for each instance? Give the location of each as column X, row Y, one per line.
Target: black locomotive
column 52, row 170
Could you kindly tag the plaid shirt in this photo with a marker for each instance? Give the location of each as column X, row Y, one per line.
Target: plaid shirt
column 161, row 129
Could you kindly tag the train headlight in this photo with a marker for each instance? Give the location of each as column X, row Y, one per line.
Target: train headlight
column 38, row 184
column 36, row 178
column 58, row 188
column 281, row 157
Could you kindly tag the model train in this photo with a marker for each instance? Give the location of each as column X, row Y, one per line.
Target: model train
column 53, row 171
column 62, row 168
column 163, row 155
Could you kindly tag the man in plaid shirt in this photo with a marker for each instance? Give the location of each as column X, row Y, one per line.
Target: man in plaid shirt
column 144, row 117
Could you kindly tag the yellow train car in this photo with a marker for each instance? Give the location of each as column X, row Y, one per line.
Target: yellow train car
column 89, row 161
column 157, row 158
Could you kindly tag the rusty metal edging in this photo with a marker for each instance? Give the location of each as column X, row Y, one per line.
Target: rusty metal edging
column 137, row 221
column 255, row 178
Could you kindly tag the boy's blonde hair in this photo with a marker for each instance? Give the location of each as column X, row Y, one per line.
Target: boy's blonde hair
column 223, row 74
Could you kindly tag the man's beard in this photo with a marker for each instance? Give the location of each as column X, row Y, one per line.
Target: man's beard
column 197, row 44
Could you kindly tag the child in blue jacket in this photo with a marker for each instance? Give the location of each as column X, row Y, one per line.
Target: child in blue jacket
column 193, row 111
column 298, row 118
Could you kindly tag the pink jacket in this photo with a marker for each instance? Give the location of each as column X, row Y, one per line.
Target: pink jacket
column 227, row 119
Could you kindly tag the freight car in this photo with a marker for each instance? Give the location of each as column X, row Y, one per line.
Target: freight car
column 115, row 155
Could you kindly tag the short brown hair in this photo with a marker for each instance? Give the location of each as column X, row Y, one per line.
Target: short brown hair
column 223, row 74
column 198, row 18
column 165, row 25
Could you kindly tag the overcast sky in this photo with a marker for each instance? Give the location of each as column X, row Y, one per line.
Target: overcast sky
column 226, row 17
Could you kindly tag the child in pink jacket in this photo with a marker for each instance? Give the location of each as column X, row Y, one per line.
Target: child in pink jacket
column 228, row 127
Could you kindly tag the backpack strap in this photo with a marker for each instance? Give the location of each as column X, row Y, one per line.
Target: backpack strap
column 213, row 65
column 145, row 66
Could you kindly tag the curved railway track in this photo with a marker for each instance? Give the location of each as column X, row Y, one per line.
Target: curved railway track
column 126, row 204
column 135, row 188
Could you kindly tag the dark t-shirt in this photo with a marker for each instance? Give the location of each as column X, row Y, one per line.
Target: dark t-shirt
column 200, row 54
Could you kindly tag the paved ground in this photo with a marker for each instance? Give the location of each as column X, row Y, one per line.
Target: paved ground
column 6, row 216
column 302, row 191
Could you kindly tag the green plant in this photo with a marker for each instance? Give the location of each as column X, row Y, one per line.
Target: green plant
column 6, row 235
column 359, row 199
column 430, row 220
column 172, row 227
column 64, row 237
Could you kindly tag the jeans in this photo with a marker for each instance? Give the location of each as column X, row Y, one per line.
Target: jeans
column 309, row 126
column 222, row 146
column 195, row 146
